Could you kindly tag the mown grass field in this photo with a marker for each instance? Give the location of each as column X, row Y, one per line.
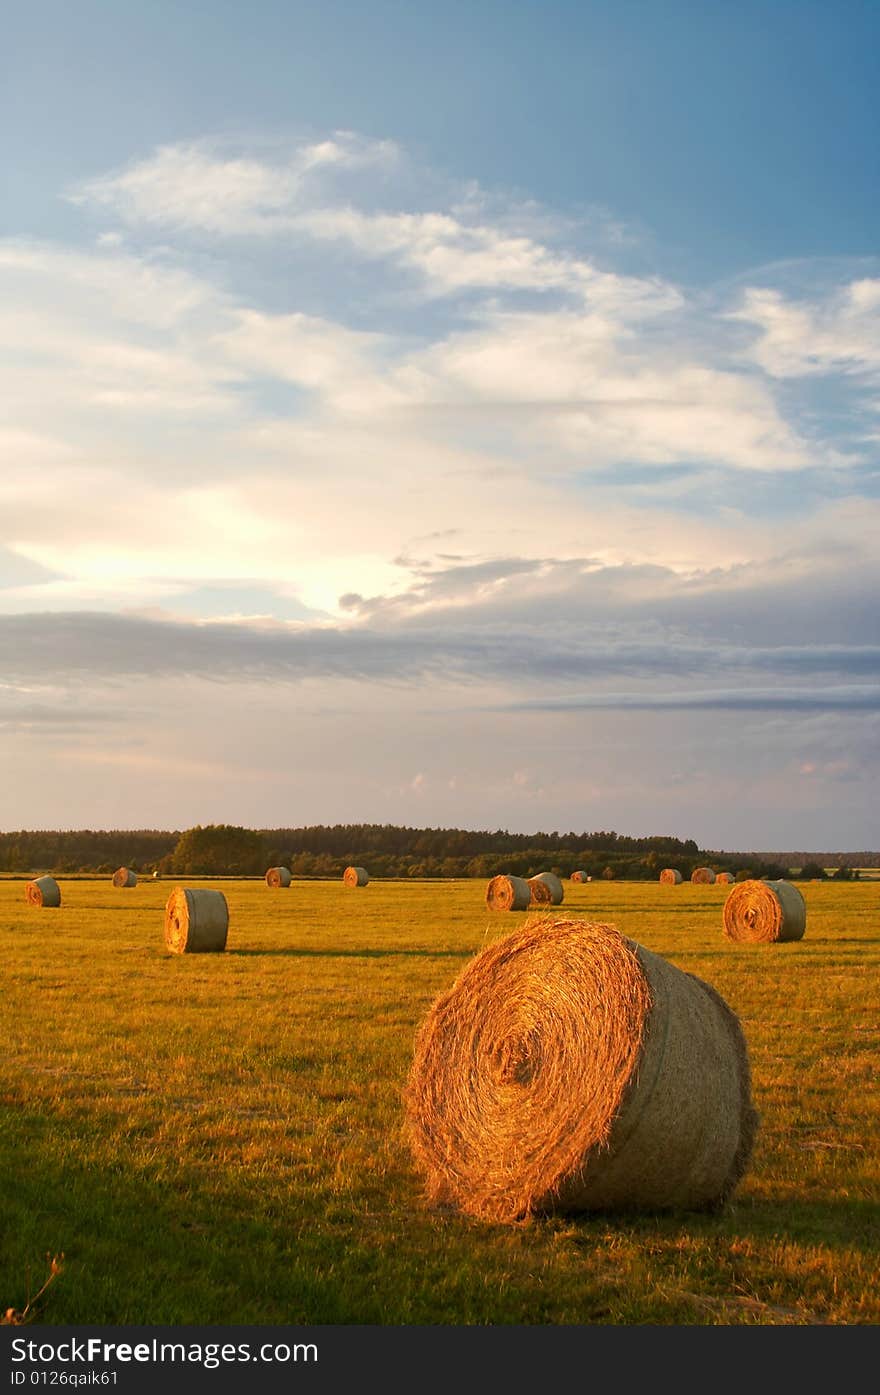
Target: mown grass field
column 217, row 1138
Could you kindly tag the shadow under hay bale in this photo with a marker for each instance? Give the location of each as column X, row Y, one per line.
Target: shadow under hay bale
column 506, row 893
column 124, row 876
column 703, row 876
column 670, row 876
column 278, row 876
column 43, row 891
column 554, row 885
column 569, row 1069
column 355, row 876
column 196, row 921
column 758, row 912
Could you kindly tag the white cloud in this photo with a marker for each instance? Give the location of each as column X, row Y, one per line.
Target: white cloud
column 229, row 417
column 193, row 186
column 837, row 333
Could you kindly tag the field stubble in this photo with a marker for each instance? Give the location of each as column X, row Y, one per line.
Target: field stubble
column 218, row 1138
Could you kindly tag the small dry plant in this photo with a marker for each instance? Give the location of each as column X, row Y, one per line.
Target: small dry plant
column 14, row 1317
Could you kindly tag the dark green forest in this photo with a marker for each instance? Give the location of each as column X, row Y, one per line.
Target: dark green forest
column 387, row 850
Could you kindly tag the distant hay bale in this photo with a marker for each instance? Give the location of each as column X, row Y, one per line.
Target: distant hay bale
column 125, row 877
column 355, row 876
column 579, row 877
column 703, row 876
column 539, row 892
column 569, row 1069
column 278, row 876
column 196, row 922
column 762, row 912
column 555, row 886
column 43, row 891
column 725, row 878
column 670, row 876
column 506, row 893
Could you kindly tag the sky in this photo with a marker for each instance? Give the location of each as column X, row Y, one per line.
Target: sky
column 458, row 415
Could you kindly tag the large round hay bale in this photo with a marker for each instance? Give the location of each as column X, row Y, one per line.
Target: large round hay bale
column 278, row 876
column 579, row 876
column 552, row 882
column 196, row 922
column 355, row 876
column 762, row 912
column 670, row 876
column 506, row 893
column 123, row 876
column 725, row 878
column 569, row 1069
column 539, row 892
column 43, row 891
column 703, row 876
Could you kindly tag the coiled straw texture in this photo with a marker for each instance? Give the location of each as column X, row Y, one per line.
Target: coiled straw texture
column 355, row 876
column 196, row 921
column 278, row 877
column 43, row 891
column 554, row 886
column 761, row 912
column 508, row 894
column 569, row 1069
column 670, row 876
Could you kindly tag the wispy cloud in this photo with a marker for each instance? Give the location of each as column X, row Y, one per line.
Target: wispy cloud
column 822, row 699
column 834, row 332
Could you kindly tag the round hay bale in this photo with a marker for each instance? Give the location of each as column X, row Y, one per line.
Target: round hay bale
column 196, row 922
column 763, row 912
column 555, row 886
column 539, row 892
column 670, row 876
column 355, row 876
column 123, row 876
column 569, row 1069
column 43, row 891
column 508, row 894
column 703, row 876
column 579, row 877
column 278, row 876
column 725, row 879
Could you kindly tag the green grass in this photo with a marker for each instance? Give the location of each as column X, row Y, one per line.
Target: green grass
column 217, row 1138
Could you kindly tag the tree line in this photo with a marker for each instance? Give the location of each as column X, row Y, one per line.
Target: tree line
column 386, row 850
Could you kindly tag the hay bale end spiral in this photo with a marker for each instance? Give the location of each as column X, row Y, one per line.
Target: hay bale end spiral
column 43, row 891
column 569, row 1069
column 355, row 876
column 670, row 876
column 554, row 885
column 196, row 921
column 508, row 893
column 763, row 912
column 278, row 876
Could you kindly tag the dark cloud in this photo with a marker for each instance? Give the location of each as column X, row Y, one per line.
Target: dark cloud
column 25, row 717
column 537, row 663
column 849, row 699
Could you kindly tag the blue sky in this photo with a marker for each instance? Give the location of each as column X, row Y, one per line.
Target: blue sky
column 443, row 416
